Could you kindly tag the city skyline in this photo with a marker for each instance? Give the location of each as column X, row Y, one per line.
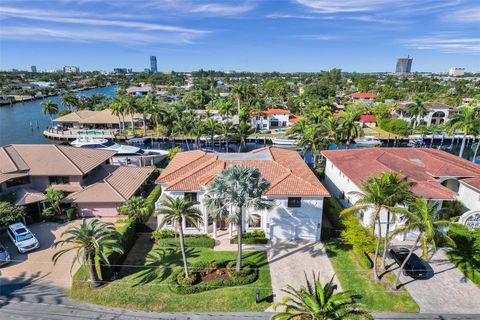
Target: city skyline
column 248, row 35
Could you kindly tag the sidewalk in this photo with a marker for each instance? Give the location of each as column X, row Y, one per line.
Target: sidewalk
column 222, row 243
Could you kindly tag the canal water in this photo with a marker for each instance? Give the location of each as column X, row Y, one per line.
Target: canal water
column 25, row 122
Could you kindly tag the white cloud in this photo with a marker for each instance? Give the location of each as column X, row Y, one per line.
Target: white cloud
column 317, row 37
column 465, row 15
column 223, row 9
column 448, row 43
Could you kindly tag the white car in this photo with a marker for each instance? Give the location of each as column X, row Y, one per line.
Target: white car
column 22, row 238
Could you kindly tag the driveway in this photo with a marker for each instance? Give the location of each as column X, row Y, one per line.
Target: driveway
column 291, row 260
column 447, row 291
column 37, row 266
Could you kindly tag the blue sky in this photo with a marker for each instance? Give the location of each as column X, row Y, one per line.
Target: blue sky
column 253, row 35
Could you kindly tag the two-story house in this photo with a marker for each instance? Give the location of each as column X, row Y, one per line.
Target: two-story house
column 298, row 195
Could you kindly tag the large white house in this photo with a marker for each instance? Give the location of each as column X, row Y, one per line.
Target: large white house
column 298, row 194
column 270, row 119
column 438, row 175
column 437, row 113
column 469, row 194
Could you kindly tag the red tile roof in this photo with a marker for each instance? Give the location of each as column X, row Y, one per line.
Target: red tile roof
column 421, row 166
column 272, row 111
column 294, row 118
column 368, row 118
column 474, row 182
column 363, row 95
column 286, row 171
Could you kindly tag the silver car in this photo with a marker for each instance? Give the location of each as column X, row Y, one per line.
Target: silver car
column 4, row 255
column 22, row 238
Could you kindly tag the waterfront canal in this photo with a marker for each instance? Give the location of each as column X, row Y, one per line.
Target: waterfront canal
column 24, row 122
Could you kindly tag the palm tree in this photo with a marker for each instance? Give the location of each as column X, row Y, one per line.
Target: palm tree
column 238, row 187
column 311, row 140
column 417, row 109
column 147, row 105
column 158, row 114
column 466, row 120
column 91, row 240
column 116, row 109
column 421, row 217
column 196, row 131
column 317, row 302
column 349, row 127
column 244, row 130
column 177, row 210
column 136, row 208
column 130, row 106
column 51, row 108
column 211, row 128
column 375, row 197
column 54, row 198
column 240, row 92
column 397, row 192
column 70, row 101
column 226, row 129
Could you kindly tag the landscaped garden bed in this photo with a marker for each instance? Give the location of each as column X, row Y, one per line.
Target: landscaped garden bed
column 253, row 237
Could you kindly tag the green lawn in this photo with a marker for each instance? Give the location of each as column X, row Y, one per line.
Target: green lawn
column 146, row 288
column 467, row 264
column 376, row 295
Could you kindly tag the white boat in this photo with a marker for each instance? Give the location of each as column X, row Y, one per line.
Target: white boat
column 105, row 144
column 284, row 141
column 368, row 141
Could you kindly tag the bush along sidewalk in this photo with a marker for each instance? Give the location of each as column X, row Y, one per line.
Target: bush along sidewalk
column 254, row 237
column 166, row 238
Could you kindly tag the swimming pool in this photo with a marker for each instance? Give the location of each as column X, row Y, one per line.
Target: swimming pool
column 280, row 131
column 91, row 132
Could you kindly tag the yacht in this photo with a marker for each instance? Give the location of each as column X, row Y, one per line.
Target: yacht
column 105, row 144
column 368, row 141
column 284, row 141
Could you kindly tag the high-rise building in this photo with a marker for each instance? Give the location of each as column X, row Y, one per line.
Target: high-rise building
column 404, row 65
column 32, row 69
column 153, row 64
column 456, row 72
column 71, row 69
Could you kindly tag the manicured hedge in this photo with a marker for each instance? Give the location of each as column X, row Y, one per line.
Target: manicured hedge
column 175, row 287
column 254, row 237
column 360, row 238
column 331, row 209
column 199, row 241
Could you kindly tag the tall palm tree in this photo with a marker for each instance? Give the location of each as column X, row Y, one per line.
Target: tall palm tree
column 466, row 120
column 51, row 108
column 116, row 109
column 196, row 131
column 241, row 188
column 226, row 129
column 374, row 197
column 421, row 217
column 240, row 92
column 211, row 128
column 130, row 107
column 317, row 302
column 147, row 105
column 311, row 140
column 397, row 192
column 91, row 240
column 177, row 210
column 417, row 109
column 349, row 127
column 70, row 101
column 244, row 130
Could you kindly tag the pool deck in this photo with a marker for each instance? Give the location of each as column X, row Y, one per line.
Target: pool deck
column 75, row 133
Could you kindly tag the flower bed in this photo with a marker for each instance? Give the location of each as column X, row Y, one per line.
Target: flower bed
column 211, row 275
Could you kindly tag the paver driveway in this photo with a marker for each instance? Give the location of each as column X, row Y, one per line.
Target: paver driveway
column 448, row 291
column 290, row 260
column 37, row 266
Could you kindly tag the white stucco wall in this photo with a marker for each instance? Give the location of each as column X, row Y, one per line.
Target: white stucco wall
column 469, row 196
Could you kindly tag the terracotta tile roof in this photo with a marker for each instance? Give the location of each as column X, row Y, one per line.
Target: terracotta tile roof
column 50, row 159
column 272, row 111
column 368, row 118
column 294, row 118
column 474, row 182
column 119, row 186
column 363, row 95
column 421, row 166
column 284, row 169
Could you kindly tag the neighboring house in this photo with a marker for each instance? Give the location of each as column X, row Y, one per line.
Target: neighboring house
column 28, row 169
column 438, row 175
column 362, row 96
column 368, row 120
column 139, row 91
column 469, row 194
column 97, row 119
column 297, row 193
column 270, row 119
column 437, row 113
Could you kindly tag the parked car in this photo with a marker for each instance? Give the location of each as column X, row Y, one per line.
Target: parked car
column 415, row 266
column 4, row 255
column 22, row 238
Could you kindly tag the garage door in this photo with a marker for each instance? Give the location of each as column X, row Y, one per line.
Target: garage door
column 281, row 231
column 306, row 231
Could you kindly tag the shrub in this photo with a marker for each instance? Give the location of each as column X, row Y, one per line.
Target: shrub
column 48, row 214
column 359, row 237
column 163, row 234
column 198, row 241
column 245, row 270
column 155, row 174
column 175, row 287
column 71, row 213
column 254, row 237
column 154, row 195
column 183, row 281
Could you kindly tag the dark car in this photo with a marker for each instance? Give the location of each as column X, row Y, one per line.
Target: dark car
column 415, row 266
column 4, row 255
